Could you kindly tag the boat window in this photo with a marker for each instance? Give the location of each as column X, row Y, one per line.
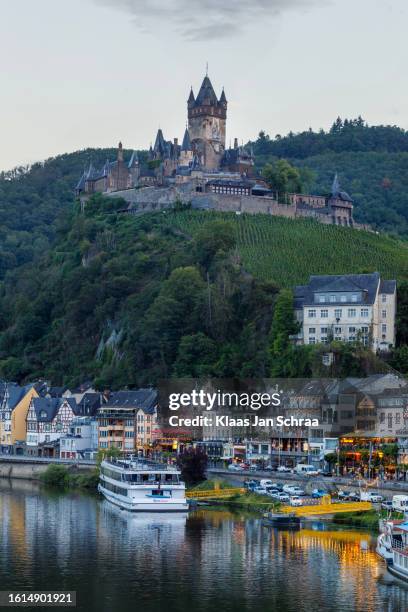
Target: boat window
column 145, row 477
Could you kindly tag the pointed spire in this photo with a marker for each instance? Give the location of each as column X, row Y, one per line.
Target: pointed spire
column 191, row 98
column 223, row 98
column 335, row 190
column 134, row 160
column 120, row 152
column 159, row 145
column 206, row 95
column 186, row 145
column 91, row 171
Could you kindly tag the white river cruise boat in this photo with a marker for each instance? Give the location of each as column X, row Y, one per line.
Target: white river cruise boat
column 392, row 546
column 140, row 486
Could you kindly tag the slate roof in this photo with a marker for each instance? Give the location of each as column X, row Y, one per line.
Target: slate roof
column 146, row 399
column 89, row 404
column 388, row 286
column 233, row 156
column 15, row 394
column 223, row 98
column 186, row 144
column 365, row 283
column 134, row 160
column 206, row 95
column 81, row 183
column 51, row 406
column 337, row 193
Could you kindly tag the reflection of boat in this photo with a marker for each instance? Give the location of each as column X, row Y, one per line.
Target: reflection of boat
column 142, row 486
column 276, row 519
column 392, row 546
column 137, row 522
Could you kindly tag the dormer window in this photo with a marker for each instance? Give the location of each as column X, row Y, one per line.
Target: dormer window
column 43, row 414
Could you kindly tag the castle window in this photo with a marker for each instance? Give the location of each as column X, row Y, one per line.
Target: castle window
column 351, row 312
column 364, row 312
column 324, row 314
column 338, row 313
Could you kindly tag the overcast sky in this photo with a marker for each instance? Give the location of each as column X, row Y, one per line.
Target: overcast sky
column 88, row 73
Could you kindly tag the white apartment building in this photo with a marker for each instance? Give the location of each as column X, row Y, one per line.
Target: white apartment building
column 349, row 308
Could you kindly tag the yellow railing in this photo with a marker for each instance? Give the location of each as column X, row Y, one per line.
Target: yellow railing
column 326, row 507
column 215, row 493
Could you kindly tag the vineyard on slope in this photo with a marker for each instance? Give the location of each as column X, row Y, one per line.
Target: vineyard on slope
column 287, row 251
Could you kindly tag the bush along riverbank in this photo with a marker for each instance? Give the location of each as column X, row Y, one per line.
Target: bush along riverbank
column 245, row 501
column 367, row 519
column 61, row 477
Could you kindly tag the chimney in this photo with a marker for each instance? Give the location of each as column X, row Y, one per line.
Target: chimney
column 235, row 143
column 120, row 152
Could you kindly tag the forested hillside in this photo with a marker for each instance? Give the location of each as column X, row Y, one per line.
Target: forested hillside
column 127, row 300
column 34, row 202
column 372, row 163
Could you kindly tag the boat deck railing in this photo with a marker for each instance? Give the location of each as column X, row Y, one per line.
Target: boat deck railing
column 141, row 464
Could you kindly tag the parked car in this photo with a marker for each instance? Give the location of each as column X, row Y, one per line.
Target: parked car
column 326, row 473
column 318, row 493
column 386, row 504
column 278, row 485
column 344, row 495
column 283, row 468
column 307, row 469
column 298, row 491
column 295, row 500
column 287, row 488
column 281, row 497
column 233, row 467
column 260, row 490
column 266, row 482
column 250, row 484
column 371, row 497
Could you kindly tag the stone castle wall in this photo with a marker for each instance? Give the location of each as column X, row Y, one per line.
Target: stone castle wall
column 148, row 199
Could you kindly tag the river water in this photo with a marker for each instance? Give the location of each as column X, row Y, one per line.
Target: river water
column 207, row 560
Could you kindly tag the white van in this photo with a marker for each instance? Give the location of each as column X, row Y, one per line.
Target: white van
column 400, row 503
column 266, row 483
column 307, row 469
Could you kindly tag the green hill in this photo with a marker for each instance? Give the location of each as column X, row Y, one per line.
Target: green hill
column 127, row 300
column 372, row 162
column 287, row 251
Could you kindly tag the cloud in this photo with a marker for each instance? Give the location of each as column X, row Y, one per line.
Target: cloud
column 205, row 19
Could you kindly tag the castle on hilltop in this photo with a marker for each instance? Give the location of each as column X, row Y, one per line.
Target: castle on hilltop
column 203, row 173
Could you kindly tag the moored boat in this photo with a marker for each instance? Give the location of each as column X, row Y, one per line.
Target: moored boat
column 280, row 519
column 140, row 485
column 392, row 546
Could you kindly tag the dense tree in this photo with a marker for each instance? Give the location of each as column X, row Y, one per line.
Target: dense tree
column 193, row 464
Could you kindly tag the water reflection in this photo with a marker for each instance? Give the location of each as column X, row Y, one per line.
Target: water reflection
column 203, row 561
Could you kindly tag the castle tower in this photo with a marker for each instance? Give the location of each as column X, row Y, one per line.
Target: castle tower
column 207, row 118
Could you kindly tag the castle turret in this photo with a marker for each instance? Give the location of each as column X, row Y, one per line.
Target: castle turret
column 134, row 170
column 207, row 124
column 186, row 154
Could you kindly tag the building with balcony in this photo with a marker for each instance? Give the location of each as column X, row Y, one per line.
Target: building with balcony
column 347, row 308
column 128, row 421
